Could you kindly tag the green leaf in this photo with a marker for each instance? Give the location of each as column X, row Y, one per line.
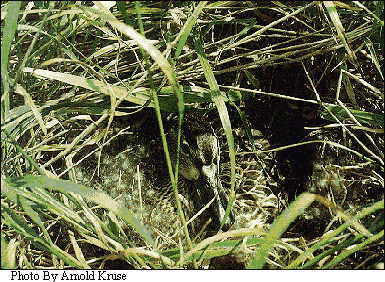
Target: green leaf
column 8, row 253
column 219, row 101
column 21, row 226
column 9, row 30
column 354, row 248
column 216, row 249
column 279, row 226
column 187, row 27
column 367, row 118
column 89, row 194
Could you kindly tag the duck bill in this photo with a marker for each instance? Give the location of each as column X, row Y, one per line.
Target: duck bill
column 215, row 189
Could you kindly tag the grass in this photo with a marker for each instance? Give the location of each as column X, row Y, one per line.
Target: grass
column 80, row 78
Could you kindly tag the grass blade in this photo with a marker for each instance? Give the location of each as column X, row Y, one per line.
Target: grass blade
column 98, row 197
column 9, row 30
column 219, row 101
column 187, row 27
column 333, row 14
column 8, row 253
column 279, row 226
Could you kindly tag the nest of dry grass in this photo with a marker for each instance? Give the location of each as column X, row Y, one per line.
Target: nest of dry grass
column 294, row 91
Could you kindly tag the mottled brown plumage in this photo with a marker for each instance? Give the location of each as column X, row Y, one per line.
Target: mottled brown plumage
column 199, row 170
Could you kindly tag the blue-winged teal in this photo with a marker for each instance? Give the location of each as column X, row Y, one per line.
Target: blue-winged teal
column 199, row 173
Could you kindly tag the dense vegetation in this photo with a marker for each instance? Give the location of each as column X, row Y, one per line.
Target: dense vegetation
column 294, row 91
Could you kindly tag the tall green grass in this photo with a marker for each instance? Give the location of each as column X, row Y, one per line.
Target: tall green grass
column 68, row 67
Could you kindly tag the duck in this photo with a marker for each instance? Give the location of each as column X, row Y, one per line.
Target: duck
column 199, row 170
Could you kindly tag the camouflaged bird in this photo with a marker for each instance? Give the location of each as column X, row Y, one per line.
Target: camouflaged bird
column 199, row 171
column 140, row 164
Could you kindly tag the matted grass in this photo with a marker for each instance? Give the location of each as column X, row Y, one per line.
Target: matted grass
column 294, row 91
